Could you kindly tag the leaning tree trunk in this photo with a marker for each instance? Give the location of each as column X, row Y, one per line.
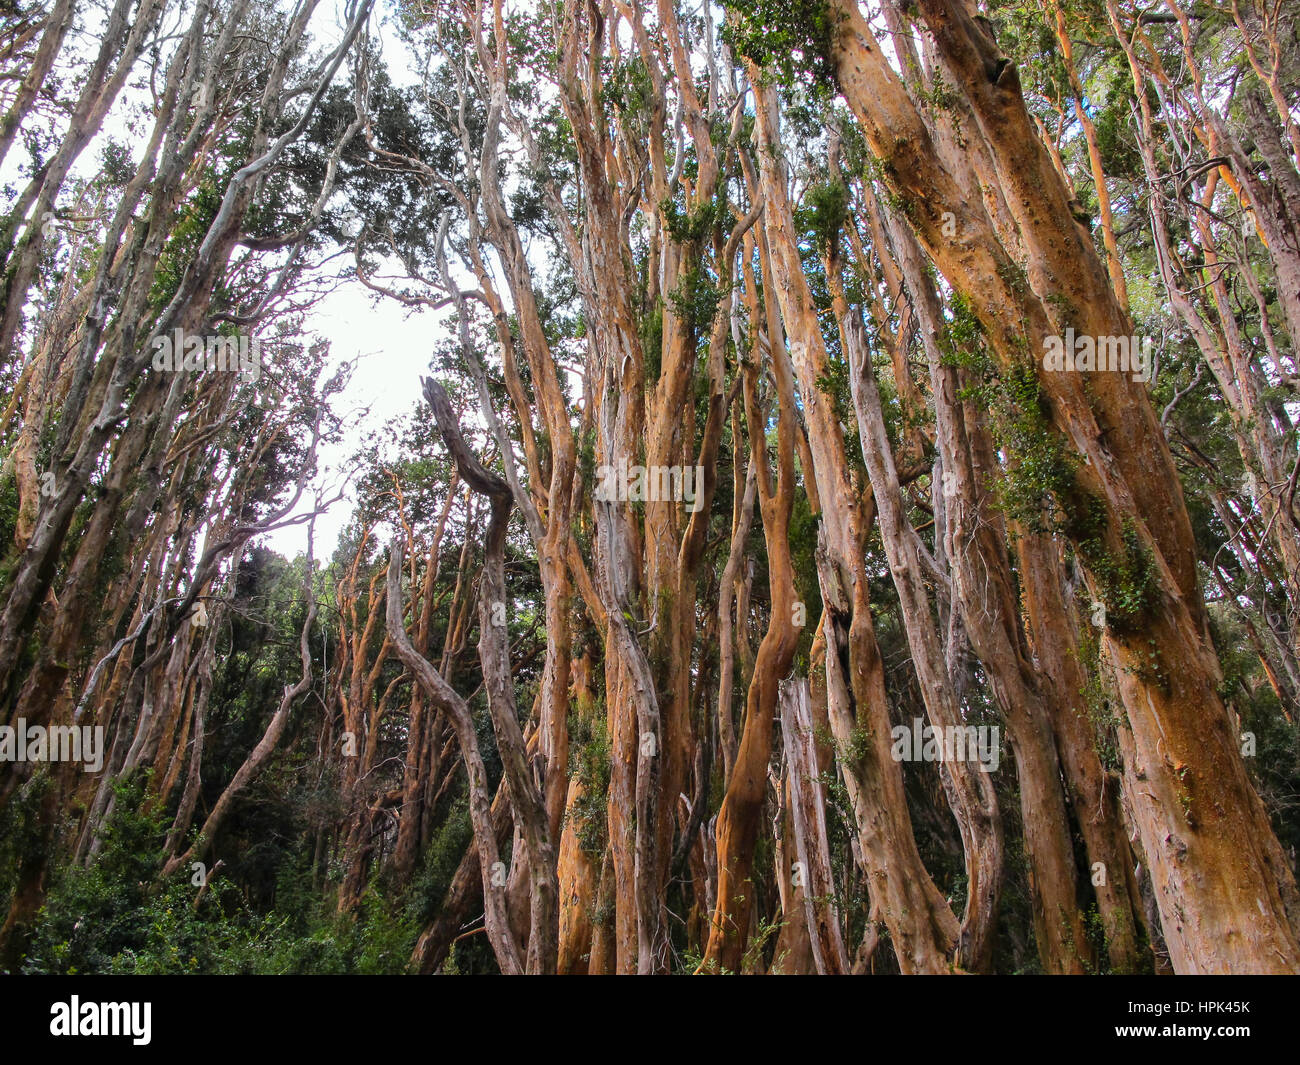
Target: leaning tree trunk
column 1226, row 895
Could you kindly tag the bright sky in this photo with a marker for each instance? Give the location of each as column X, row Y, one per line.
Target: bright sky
column 392, row 351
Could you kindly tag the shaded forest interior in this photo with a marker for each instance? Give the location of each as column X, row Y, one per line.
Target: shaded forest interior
column 848, row 523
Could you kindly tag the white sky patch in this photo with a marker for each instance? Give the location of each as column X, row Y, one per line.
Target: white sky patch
column 392, row 348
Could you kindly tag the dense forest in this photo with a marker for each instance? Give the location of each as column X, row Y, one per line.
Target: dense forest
column 847, row 523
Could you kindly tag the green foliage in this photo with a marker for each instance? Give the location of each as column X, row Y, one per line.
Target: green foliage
column 689, row 227
column 1042, row 467
column 1120, row 157
column 8, row 521
column 695, row 299
column 1127, row 583
column 1102, row 715
column 650, row 328
column 589, row 763
column 185, row 236
column 113, row 918
column 443, row 855
column 629, row 91
column 823, row 213
column 790, row 38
